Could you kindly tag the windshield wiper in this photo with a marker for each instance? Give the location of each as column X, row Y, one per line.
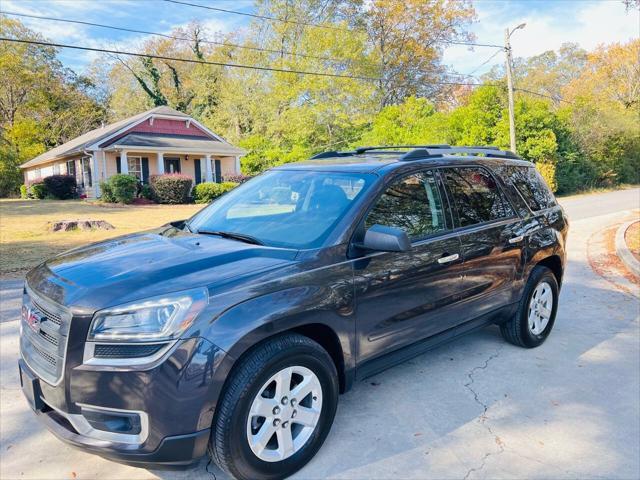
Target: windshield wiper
column 233, row 236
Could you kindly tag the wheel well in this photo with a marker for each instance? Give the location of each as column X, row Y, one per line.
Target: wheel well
column 328, row 339
column 554, row 264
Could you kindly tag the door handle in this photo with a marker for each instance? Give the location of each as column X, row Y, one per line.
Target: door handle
column 449, row 258
column 517, row 239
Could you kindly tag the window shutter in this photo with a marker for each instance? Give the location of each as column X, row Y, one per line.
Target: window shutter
column 118, row 164
column 218, row 173
column 196, row 165
column 145, row 169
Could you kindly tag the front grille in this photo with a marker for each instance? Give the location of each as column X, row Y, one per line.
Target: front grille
column 43, row 346
column 50, row 359
column 51, row 316
column 52, row 339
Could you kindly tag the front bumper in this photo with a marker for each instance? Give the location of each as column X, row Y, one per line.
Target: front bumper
column 175, row 398
column 174, row 450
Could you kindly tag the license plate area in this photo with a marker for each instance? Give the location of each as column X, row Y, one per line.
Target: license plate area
column 30, row 388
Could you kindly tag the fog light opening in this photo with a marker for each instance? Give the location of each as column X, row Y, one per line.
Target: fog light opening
column 114, row 422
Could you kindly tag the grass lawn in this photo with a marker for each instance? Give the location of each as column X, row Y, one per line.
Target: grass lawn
column 25, row 240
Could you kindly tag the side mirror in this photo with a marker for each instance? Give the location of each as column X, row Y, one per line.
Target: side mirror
column 386, row 239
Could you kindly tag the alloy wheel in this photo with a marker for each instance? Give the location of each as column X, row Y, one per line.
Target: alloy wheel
column 540, row 308
column 284, row 414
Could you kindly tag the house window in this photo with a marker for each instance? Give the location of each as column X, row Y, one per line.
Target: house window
column 71, row 167
column 172, row 165
column 135, row 167
column 56, row 169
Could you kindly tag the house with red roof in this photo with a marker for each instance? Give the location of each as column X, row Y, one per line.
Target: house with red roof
column 160, row 140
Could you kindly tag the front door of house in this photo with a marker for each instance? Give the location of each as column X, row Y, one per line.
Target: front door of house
column 171, row 165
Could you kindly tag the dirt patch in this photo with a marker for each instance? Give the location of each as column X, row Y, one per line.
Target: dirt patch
column 632, row 239
column 68, row 225
column 605, row 262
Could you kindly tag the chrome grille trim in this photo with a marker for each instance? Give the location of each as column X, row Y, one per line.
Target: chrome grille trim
column 50, row 315
column 44, row 350
column 49, row 338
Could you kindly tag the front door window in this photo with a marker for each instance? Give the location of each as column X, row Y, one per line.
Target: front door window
column 412, row 204
column 171, row 165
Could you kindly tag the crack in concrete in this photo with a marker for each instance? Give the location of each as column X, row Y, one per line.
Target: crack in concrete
column 207, row 469
column 483, row 416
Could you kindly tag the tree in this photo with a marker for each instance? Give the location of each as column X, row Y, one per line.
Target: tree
column 42, row 104
column 407, row 40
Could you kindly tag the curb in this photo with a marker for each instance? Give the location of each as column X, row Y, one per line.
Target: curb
column 623, row 251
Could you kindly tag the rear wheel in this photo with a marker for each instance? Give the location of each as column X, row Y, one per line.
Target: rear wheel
column 532, row 323
column 276, row 410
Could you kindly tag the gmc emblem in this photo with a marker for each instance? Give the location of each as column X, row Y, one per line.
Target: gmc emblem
column 31, row 318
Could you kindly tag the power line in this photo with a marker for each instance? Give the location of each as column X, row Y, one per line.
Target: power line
column 309, row 24
column 255, row 15
column 220, row 64
column 131, row 30
column 471, row 44
column 556, row 99
column 484, row 63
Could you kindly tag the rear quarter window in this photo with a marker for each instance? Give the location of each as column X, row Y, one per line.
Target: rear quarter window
column 531, row 186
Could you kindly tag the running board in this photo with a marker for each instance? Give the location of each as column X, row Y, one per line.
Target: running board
column 401, row 355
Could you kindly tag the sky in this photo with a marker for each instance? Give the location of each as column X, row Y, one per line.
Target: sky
column 549, row 24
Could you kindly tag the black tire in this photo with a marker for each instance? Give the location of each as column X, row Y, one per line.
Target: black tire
column 516, row 330
column 229, row 447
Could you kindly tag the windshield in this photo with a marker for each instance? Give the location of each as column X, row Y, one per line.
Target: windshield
column 284, row 208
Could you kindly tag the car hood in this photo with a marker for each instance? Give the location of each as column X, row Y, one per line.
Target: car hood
column 151, row 263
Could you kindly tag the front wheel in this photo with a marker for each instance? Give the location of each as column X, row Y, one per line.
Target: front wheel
column 532, row 323
column 276, row 410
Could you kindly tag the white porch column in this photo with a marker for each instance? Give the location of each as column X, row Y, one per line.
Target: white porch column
column 103, row 175
column 209, row 173
column 160, row 163
column 124, row 163
column 95, row 180
column 238, row 171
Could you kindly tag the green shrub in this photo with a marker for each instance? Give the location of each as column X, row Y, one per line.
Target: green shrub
column 38, row 190
column 119, row 188
column 24, row 191
column 107, row 193
column 207, row 192
column 170, row 188
column 61, row 187
column 146, row 192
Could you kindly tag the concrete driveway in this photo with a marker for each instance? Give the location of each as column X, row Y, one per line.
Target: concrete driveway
column 475, row 408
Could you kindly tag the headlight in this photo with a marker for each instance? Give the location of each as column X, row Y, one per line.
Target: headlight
column 154, row 319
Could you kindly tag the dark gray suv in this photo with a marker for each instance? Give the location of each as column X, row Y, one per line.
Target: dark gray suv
column 233, row 332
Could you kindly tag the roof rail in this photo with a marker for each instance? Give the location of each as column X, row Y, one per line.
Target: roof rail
column 330, row 154
column 425, row 151
column 422, row 153
column 361, row 150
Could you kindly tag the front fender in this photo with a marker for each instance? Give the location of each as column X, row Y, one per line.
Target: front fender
column 321, row 296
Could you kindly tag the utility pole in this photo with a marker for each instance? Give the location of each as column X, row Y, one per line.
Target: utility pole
column 509, row 66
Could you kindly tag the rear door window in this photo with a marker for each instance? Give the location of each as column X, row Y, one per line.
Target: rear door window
column 476, row 196
column 532, row 187
column 413, row 204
